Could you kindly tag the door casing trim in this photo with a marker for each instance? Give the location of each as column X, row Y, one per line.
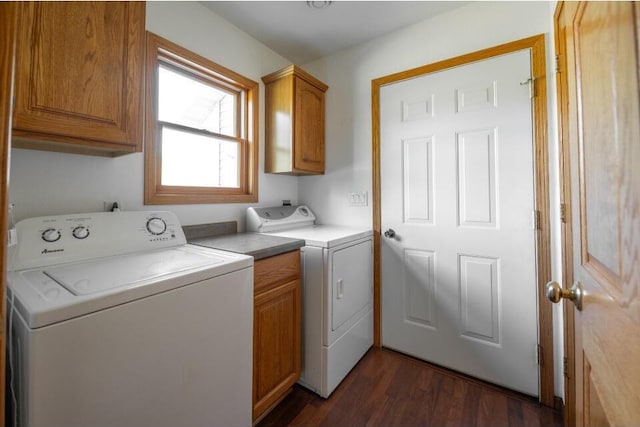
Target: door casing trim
column 541, row 182
column 8, row 28
column 566, row 234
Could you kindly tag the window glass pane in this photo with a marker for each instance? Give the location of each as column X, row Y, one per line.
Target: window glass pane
column 192, row 103
column 190, row 160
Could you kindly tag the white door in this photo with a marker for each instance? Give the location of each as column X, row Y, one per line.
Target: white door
column 459, row 276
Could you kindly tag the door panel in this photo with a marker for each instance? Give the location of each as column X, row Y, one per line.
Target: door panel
column 602, row 121
column 600, row 148
column 479, row 298
column 459, row 278
column 419, row 288
column 476, row 190
column 417, row 164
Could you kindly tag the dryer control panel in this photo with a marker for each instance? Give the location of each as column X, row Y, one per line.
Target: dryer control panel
column 265, row 220
column 58, row 239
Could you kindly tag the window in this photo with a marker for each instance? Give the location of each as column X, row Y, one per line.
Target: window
column 201, row 129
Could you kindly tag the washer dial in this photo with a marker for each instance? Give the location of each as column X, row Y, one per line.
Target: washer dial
column 51, row 235
column 80, row 232
column 156, row 226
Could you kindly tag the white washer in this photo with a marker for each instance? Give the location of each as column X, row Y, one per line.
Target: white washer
column 337, row 277
column 116, row 321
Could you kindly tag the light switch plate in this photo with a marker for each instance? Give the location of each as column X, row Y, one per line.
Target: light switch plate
column 358, row 198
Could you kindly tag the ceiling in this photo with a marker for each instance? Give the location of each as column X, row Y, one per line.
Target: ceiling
column 301, row 32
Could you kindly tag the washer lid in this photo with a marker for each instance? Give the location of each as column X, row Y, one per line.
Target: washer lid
column 62, row 292
column 125, row 270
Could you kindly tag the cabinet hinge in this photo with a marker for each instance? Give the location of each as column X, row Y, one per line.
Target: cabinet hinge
column 565, row 366
column 563, row 213
column 539, row 354
column 557, row 63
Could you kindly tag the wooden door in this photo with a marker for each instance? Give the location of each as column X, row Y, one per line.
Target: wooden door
column 8, row 20
column 600, row 123
column 457, row 188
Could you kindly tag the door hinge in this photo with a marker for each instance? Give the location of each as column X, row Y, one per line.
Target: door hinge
column 532, row 87
column 557, row 63
column 563, row 213
column 536, row 219
column 539, row 354
column 565, row 366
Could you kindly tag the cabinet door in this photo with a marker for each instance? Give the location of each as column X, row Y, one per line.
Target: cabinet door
column 79, row 75
column 309, row 128
column 276, row 344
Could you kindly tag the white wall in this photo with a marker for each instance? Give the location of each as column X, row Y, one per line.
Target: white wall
column 348, row 130
column 44, row 183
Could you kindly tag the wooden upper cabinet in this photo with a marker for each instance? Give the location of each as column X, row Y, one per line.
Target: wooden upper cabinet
column 79, row 70
column 294, row 122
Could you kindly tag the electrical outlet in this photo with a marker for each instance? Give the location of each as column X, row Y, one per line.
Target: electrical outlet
column 108, row 206
column 358, row 198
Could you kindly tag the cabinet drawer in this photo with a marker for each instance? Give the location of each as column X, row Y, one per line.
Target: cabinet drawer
column 269, row 272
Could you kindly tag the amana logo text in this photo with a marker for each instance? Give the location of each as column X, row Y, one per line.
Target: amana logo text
column 48, row 251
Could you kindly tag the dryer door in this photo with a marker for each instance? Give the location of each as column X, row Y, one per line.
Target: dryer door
column 351, row 268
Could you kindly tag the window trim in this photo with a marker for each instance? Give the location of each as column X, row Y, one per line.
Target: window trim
column 159, row 50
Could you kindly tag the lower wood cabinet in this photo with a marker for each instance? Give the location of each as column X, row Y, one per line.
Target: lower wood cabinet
column 276, row 330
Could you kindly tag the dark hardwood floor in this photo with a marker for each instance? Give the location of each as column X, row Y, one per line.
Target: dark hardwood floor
column 390, row 389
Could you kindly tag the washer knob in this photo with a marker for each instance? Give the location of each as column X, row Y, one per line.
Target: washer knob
column 80, row 232
column 51, row 235
column 156, row 226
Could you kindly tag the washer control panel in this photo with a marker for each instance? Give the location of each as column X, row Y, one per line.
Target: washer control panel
column 67, row 238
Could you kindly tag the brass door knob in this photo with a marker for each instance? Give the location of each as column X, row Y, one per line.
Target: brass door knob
column 390, row 233
column 555, row 293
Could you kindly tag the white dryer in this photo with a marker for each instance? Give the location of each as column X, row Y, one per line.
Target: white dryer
column 116, row 321
column 337, row 279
